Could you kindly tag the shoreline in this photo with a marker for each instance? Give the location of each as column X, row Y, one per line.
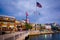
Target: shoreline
column 32, row 33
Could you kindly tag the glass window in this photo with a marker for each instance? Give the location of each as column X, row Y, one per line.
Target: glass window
column 5, row 22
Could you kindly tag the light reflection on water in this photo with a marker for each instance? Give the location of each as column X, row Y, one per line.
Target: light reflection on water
column 45, row 37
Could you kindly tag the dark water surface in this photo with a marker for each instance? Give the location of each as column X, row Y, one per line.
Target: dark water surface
column 45, row 37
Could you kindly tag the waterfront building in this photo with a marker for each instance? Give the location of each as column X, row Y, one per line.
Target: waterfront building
column 48, row 27
column 7, row 22
column 20, row 25
column 37, row 26
column 33, row 26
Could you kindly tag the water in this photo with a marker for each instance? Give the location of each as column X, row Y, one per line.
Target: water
column 45, row 37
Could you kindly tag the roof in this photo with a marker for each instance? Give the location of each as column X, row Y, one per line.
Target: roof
column 7, row 16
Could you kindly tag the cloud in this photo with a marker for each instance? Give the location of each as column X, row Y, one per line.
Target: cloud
column 18, row 6
column 48, row 13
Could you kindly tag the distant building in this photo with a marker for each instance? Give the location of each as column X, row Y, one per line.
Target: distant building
column 35, row 26
column 48, row 27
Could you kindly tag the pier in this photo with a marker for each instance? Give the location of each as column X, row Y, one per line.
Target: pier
column 15, row 36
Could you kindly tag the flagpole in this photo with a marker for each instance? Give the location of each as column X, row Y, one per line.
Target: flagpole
column 38, row 5
column 26, row 18
column 36, row 13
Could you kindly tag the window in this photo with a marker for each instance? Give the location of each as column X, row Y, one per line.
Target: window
column 5, row 22
column 12, row 26
column 12, row 19
column 5, row 18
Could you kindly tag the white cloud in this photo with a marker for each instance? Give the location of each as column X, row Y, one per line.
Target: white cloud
column 49, row 11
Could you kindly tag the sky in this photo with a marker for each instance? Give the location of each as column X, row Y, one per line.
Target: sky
column 49, row 13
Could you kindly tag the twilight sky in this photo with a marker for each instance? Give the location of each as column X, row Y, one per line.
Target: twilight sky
column 50, row 11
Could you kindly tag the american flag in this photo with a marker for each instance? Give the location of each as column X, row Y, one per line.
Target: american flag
column 38, row 5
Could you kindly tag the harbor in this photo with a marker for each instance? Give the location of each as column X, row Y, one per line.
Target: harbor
column 55, row 36
column 12, row 29
column 24, row 35
column 29, row 19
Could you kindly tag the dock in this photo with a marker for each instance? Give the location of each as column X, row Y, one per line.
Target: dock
column 15, row 36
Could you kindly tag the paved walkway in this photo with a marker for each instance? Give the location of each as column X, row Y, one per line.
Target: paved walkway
column 15, row 36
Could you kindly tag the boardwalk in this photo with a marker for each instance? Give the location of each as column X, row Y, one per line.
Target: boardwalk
column 15, row 36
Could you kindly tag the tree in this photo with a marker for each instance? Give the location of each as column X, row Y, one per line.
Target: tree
column 28, row 26
column 54, row 28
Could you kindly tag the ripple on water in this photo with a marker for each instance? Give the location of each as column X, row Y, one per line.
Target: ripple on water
column 45, row 37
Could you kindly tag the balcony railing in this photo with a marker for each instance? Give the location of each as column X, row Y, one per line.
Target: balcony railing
column 7, row 18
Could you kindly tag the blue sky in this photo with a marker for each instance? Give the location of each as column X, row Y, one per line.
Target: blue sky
column 50, row 11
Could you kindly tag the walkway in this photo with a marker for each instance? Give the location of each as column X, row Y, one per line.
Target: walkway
column 15, row 36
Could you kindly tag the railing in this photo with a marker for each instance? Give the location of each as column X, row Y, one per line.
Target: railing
column 13, row 36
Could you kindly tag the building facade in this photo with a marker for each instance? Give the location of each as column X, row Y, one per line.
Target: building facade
column 7, row 22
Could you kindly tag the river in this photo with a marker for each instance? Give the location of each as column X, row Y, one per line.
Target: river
column 45, row 37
